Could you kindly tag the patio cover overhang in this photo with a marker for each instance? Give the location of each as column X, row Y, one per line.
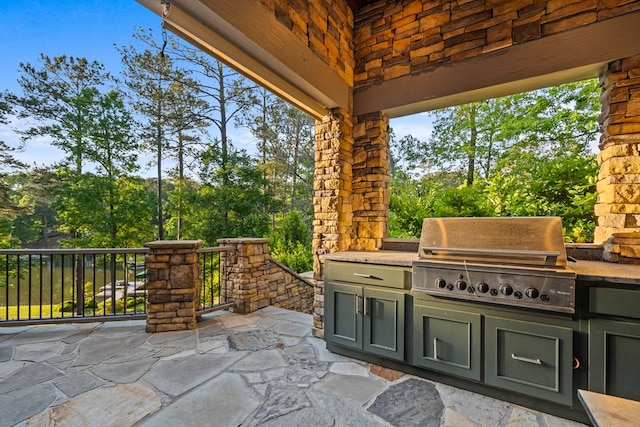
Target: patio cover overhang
column 243, row 34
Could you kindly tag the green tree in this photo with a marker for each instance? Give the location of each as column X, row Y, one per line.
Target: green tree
column 33, row 192
column 148, row 75
column 526, row 154
column 59, row 96
column 100, row 205
column 291, row 243
column 9, row 211
column 230, row 201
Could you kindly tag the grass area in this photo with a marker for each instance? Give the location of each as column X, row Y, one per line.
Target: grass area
column 46, row 312
column 22, row 312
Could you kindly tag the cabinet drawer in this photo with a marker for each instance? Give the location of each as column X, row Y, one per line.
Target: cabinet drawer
column 447, row 341
column 529, row 358
column 615, row 302
column 367, row 274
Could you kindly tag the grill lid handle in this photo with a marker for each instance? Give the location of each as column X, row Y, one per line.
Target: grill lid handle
column 502, row 255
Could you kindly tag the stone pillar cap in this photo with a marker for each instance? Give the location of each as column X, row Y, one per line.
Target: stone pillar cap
column 244, row 240
column 180, row 244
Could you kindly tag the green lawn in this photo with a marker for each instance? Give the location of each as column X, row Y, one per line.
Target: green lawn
column 46, row 312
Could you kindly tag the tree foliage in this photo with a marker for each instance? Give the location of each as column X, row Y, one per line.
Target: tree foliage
column 524, row 155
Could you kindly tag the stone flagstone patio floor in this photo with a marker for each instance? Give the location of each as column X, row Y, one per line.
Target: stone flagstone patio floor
column 261, row 369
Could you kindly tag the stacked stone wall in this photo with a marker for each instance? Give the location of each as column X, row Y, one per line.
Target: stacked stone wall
column 325, row 26
column 398, row 38
column 618, row 205
column 253, row 280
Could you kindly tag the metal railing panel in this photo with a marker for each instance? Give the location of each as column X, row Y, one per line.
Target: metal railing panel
column 84, row 285
column 60, row 285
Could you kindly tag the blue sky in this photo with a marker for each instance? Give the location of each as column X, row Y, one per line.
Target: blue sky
column 81, row 28
column 89, row 29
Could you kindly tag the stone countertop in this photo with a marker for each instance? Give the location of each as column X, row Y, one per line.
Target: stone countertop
column 604, row 410
column 592, row 271
column 394, row 258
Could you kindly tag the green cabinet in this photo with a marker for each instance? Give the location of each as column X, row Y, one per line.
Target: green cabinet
column 531, row 358
column 447, row 341
column 613, row 358
column 362, row 317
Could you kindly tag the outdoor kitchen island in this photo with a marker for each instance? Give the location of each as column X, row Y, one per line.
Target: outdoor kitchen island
column 536, row 357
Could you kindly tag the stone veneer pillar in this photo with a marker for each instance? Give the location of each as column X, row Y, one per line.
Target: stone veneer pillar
column 371, row 174
column 173, row 285
column 618, row 205
column 351, row 191
column 246, row 274
column 332, row 225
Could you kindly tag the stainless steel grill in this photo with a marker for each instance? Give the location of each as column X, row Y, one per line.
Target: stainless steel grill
column 512, row 261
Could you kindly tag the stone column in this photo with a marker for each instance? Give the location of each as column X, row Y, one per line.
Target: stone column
column 247, row 275
column 332, row 225
column 371, row 174
column 173, row 285
column 618, row 205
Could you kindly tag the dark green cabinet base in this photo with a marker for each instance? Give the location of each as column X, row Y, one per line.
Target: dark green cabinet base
column 365, row 318
column 613, row 355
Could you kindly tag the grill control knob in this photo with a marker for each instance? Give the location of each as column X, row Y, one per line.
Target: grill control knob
column 506, row 290
column 482, row 287
column 461, row 285
column 531, row 293
column 440, row 282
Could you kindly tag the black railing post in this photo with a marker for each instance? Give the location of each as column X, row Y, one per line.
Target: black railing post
column 79, row 264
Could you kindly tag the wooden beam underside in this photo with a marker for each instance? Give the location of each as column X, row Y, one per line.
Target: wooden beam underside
column 242, row 34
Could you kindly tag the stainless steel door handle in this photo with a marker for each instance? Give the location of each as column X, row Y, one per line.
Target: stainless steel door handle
column 526, row 359
column 435, row 348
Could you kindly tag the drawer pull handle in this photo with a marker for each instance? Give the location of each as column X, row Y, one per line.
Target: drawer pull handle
column 366, row 276
column 526, row 359
column 435, row 348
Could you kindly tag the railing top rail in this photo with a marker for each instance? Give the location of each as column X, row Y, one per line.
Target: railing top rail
column 87, row 251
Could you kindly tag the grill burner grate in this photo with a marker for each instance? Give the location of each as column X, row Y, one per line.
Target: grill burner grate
column 512, row 261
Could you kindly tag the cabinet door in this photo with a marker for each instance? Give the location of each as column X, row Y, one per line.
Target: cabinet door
column 530, row 358
column 447, row 341
column 383, row 319
column 613, row 358
column 343, row 321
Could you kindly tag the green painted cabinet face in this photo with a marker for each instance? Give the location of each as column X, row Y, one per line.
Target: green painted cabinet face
column 383, row 322
column 447, row 341
column 530, row 358
column 343, row 318
column 614, row 349
column 365, row 318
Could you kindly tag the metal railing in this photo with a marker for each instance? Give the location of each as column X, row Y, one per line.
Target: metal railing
column 71, row 285
column 213, row 292
column 85, row 285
